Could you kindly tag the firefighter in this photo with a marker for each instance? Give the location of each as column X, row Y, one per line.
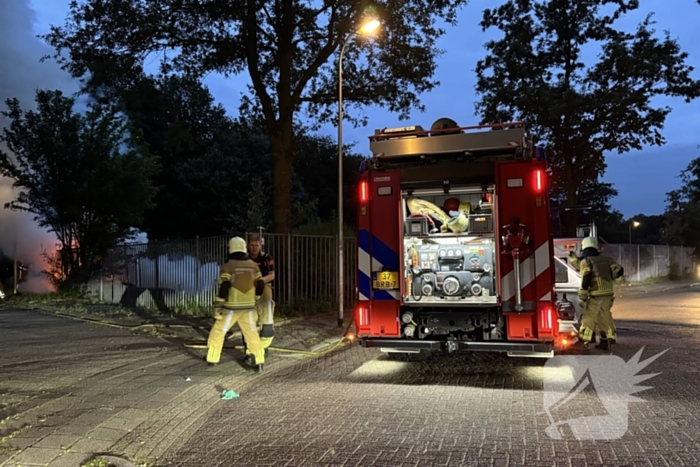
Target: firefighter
column 240, row 284
column 575, row 261
column 265, row 306
column 596, row 294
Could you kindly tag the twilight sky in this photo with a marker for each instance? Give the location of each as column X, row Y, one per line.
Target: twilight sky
column 642, row 178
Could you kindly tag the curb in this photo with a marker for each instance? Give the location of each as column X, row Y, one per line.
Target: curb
column 639, row 289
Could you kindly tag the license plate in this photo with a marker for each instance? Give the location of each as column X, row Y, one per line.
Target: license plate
column 386, row 280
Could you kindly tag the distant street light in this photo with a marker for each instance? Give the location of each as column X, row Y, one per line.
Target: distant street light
column 632, row 224
column 366, row 29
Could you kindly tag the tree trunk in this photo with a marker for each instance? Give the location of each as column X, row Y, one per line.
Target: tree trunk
column 282, row 159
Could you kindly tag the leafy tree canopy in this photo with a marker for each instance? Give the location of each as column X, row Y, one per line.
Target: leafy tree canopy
column 85, row 177
column 535, row 73
column 286, row 46
column 215, row 174
column 683, row 209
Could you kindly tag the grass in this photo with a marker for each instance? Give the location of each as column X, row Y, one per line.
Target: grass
column 655, row 279
column 100, row 462
column 193, row 309
column 71, row 304
column 304, row 307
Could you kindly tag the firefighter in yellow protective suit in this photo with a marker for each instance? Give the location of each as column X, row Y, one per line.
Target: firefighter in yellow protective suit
column 240, row 284
column 265, row 306
column 596, row 295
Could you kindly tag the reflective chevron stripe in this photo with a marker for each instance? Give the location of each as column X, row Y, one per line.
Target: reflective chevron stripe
column 383, row 256
column 533, row 267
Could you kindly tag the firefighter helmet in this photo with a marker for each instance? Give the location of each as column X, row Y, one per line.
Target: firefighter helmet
column 236, row 245
column 451, row 204
column 589, row 242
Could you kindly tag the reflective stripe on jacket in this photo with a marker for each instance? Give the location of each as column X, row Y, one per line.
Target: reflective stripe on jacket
column 597, row 276
column 237, row 284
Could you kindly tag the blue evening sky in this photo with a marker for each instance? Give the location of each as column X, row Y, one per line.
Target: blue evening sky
column 641, row 177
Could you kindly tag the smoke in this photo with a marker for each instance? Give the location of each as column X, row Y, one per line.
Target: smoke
column 22, row 74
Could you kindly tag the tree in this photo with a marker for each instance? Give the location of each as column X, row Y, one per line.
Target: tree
column 317, row 164
column 682, row 226
column 196, row 144
column 84, row 177
column 535, row 74
column 285, row 45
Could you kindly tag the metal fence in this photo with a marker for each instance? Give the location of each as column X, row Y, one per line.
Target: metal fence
column 167, row 275
column 644, row 262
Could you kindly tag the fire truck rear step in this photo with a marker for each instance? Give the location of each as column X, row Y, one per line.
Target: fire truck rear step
column 510, row 347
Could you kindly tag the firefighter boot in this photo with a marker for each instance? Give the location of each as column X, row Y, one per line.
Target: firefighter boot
column 256, row 356
column 604, row 343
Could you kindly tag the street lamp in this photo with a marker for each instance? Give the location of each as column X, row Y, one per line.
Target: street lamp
column 632, row 224
column 366, row 29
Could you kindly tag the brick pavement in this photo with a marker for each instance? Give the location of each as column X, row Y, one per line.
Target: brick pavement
column 70, row 398
column 71, row 389
column 356, row 408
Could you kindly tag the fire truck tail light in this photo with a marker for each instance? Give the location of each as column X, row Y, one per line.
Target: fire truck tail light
column 539, row 180
column 362, row 316
column 364, row 192
column 546, row 321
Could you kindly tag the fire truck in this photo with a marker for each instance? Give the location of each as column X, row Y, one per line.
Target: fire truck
column 455, row 247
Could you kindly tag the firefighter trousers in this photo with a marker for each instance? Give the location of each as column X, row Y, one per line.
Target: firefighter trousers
column 224, row 320
column 598, row 317
column 265, row 318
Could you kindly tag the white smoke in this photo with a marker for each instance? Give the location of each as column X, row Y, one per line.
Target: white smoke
column 22, row 74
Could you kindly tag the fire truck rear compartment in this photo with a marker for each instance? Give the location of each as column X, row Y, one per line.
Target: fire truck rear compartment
column 449, row 270
column 449, row 248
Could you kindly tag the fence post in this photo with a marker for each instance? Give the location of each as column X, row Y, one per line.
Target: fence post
column 682, row 271
column 102, row 284
column 196, row 265
column 156, row 269
column 126, row 268
column 656, row 264
column 619, row 254
column 639, row 276
column 337, row 275
column 290, row 294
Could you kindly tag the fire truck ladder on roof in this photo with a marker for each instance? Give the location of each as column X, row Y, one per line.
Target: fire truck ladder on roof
column 502, row 139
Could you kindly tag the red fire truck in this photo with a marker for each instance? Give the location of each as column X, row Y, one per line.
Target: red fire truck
column 455, row 248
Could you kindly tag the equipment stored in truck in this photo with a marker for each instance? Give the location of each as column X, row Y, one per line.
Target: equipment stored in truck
column 455, row 247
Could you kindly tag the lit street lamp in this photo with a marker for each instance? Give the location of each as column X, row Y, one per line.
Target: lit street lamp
column 367, row 29
column 632, row 224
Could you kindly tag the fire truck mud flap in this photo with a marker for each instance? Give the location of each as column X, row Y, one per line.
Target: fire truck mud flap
column 514, row 349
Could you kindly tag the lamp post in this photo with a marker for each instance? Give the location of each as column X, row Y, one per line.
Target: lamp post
column 369, row 27
column 633, row 224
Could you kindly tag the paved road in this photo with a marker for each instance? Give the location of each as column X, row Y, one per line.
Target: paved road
column 681, row 306
column 355, row 408
column 71, row 389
